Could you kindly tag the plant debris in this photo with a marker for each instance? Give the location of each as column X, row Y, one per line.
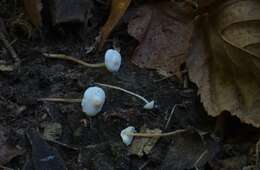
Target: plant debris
column 141, row 146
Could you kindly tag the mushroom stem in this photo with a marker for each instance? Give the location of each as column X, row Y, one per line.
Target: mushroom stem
column 124, row 90
column 60, row 100
column 153, row 135
column 65, row 57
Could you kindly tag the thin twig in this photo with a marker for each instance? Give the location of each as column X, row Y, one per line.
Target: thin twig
column 62, row 144
column 171, row 114
column 12, row 52
column 164, row 78
column 60, row 100
column 200, row 158
column 144, row 165
column 65, row 57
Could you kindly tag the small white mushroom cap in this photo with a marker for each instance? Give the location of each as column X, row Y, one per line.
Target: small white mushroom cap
column 112, row 60
column 127, row 139
column 93, row 101
column 149, row 106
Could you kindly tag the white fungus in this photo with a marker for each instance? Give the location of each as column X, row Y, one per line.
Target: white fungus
column 149, row 105
column 112, row 60
column 125, row 135
column 93, row 101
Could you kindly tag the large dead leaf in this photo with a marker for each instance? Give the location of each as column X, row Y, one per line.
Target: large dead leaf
column 163, row 30
column 225, row 65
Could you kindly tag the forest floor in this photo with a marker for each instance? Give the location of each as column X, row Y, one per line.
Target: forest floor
column 97, row 144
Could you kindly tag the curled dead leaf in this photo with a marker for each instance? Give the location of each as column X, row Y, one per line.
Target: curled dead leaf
column 225, row 63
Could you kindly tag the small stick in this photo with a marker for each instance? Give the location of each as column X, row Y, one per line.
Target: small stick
column 62, row 144
column 153, row 135
column 200, row 158
column 65, row 57
column 144, row 165
column 171, row 114
column 162, row 79
column 60, row 100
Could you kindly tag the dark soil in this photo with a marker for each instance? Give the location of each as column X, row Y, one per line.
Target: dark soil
column 39, row 77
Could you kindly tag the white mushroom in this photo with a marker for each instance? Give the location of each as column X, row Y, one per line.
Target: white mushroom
column 126, row 138
column 148, row 104
column 93, row 101
column 129, row 133
column 112, row 60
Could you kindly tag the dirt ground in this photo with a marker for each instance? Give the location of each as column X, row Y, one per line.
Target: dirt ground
column 38, row 76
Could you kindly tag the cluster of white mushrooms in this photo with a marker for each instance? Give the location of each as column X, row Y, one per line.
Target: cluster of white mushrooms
column 94, row 97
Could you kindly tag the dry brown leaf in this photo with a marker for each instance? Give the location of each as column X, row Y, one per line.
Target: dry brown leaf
column 118, row 8
column 33, row 9
column 226, row 64
column 163, row 31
